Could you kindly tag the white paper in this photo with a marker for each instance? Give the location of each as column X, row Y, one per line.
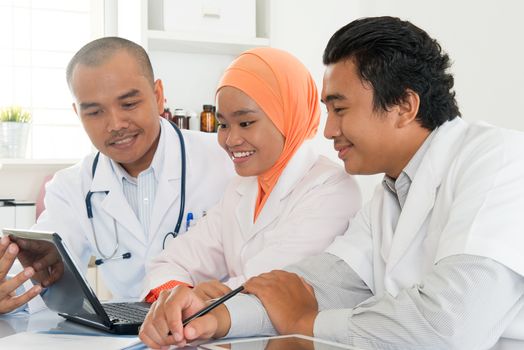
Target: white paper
column 53, row 341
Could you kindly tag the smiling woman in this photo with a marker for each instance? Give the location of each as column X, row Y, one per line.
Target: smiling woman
column 269, row 217
column 33, row 56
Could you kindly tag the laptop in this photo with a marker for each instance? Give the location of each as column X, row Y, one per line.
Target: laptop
column 70, row 295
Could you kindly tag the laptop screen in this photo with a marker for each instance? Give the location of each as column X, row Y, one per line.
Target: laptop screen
column 67, row 291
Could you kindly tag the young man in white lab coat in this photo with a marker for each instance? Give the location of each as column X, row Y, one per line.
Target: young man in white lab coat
column 435, row 259
column 135, row 181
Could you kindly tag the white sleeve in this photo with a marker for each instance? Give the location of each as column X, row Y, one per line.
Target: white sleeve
column 465, row 303
column 485, row 201
column 193, row 257
column 323, row 213
column 248, row 317
column 355, row 247
column 323, row 272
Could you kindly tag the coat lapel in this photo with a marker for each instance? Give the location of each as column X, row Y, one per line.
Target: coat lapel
column 419, row 203
column 168, row 163
column 423, row 190
column 271, row 210
column 301, row 162
column 390, row 213
column 114, row 204
column 245, row 210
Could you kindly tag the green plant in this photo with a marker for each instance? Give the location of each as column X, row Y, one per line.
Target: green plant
column 15, row 114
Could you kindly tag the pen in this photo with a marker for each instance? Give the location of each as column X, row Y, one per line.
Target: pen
column 188, row 220
column 213, row 305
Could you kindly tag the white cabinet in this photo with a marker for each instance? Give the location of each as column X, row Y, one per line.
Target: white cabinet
column 203, row 26
column 234, row 18
column 17, row 214
column 189, row 63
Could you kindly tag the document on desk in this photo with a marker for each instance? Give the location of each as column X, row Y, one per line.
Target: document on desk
column 53, row 341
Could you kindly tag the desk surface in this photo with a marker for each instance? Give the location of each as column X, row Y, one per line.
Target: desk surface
column 44, row 320
column 49, row 321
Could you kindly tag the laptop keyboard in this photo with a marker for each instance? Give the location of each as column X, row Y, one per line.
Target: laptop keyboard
column 126, row 312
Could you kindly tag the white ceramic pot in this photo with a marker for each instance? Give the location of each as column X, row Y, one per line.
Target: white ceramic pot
column 13, row 139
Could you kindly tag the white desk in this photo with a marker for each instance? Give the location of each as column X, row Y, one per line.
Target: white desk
column 45, row 320
column 49, row 321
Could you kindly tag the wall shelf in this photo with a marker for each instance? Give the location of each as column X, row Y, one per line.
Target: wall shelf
column 22, row 162
column 182, row 42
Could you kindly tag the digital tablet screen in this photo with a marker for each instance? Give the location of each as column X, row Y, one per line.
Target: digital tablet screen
column 293, row 342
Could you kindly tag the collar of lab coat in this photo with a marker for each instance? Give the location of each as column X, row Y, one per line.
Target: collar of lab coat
column 301, row 162
column 168, row 189
column 422, row 193
column 168, row 148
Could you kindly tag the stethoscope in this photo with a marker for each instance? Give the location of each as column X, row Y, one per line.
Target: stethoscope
column 180, row 214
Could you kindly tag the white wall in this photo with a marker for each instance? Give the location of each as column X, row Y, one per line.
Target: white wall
column 22, row 181
column 304, row 28
column 189, row 79
column 483, row 38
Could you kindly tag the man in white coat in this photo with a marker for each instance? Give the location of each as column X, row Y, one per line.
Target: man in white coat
column 435, row 259
column 122, row 205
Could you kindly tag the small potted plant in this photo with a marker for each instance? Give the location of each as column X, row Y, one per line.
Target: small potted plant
column 14, row 132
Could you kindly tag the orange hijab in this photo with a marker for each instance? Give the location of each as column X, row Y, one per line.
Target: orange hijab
column 282, row 86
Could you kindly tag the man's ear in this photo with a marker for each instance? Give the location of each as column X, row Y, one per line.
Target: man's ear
column 408, row 108
column 159, row 95
column 74, row 109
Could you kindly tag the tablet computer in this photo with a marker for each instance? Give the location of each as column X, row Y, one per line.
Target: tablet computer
column 71, row 295
column 284, row 342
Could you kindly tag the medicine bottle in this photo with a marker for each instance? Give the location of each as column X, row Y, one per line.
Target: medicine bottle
column 207, row 119
column 166, row 113
column 179, row 118
column 194, row 120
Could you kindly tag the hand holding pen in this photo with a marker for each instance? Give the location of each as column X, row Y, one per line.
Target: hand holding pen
column 214, row 304
column 164, row 324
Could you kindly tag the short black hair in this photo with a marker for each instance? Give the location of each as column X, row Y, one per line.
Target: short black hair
column 100, row 50
column 393, row 56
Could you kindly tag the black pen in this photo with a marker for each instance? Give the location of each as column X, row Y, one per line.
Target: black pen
column 213, row 305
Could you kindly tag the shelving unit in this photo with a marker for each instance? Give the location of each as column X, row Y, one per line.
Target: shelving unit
column 180, row 42
column 23, row 162
column 134, row 24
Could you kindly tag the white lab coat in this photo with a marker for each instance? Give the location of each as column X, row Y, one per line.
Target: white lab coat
column 312, row 203
column 467, row 197
column 208, row 171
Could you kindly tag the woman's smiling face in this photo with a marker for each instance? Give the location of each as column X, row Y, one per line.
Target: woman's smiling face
column 246, row 133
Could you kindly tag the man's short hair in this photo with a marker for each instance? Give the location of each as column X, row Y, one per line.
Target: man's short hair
column 394, row 55
column 100, row 50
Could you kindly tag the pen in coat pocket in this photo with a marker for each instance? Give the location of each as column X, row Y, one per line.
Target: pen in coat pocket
column 189, row 218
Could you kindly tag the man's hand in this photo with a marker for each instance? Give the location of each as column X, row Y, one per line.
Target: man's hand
column 43, row 257
column 163, row 324
column 8, row 299
column 211, row 290
column 289, row 301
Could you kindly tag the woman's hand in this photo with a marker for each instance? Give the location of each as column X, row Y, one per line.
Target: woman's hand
column 163, row 324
